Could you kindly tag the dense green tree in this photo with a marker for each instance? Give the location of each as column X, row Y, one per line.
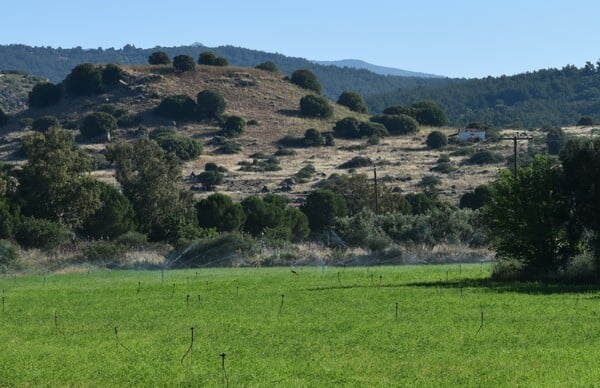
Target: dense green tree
column 262, row 215
column 97, row 124
column 159, row 58
column 209, row 58
column 527, row 215
column 41, row 233
column 353, row 101
column 436, row 139
column 321, row 207
column 149, row 178
column 429, row 113
column 183, row 63
column 42, row 124
column 84, row 80
column 114, row 216
column 111, row 74
column 179, row 106
column 44, row 94
column 297, row 224
column 306, row 79
column 581, row 163
column 54, row 184
column 9, row 218
column 211, row 104
column 476, row 198
column 585, row 121
column 555, row 140
column 316, row 106
column 220, row 212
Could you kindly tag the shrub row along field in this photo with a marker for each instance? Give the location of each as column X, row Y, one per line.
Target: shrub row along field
column 295, row 327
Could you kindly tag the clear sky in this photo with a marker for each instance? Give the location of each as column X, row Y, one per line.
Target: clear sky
column 457, row 38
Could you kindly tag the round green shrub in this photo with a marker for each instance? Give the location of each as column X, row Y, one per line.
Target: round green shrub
column 399, row 110
column 347, row 128
column 267, row 66
column 98, row 123
column 114, row 217
column 159, row 58
column 233, row 126
column 42, row 124
column 210, row 179
column 313, row 138
column 370, row 129
column 397, row 124
column 211, row 104
column 356, row 162
column 44, row 94
column 186, row 148
column 315, row 106
column 353, row 101
column 183, row 63
column 179, row 106
column 306, row 79
column 436, row 139
column 210, row 59
column 485, row 157
column 84, row 80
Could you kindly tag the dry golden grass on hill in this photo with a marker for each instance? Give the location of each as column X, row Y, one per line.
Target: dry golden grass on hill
column 274, row 103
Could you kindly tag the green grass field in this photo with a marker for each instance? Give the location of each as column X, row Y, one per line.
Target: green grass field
column 332, row 327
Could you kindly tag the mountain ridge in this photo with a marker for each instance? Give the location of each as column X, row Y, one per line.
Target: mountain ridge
column 383, row 70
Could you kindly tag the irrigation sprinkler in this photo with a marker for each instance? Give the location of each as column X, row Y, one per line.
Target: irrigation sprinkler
column 281, row 305
column 189, row 350
column 173, row 291
column 396, row 310
column 481, row 325
column 237, row 291
column 199, row 299
column 187, row 300
column 139, row 287
column 225, row 378
column 119, row 343
column 380, row 279
column 162, row 276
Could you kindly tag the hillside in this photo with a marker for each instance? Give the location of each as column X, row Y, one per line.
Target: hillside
column 14, row 86
column 272, row 103
column 56, row 63
column 529, row 100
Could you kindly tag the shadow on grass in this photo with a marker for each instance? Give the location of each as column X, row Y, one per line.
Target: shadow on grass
column 525, row 287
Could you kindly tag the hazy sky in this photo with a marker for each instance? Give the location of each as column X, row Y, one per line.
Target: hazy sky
column 459, row 38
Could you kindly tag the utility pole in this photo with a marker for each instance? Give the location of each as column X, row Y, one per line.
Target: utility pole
column 376, row 190
column 515, row 138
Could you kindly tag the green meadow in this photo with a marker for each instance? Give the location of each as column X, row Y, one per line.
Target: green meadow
column 311, row 326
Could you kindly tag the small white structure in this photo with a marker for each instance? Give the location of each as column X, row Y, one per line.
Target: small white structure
column 471, row 134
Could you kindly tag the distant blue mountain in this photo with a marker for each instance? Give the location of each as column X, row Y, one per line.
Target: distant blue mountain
column 358, row 64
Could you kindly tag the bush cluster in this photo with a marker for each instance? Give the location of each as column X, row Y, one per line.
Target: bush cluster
column 186, row 148
column 306, row 80
column 179, row 106
column 209, row 58
column 98, row 123
column 44, row 94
